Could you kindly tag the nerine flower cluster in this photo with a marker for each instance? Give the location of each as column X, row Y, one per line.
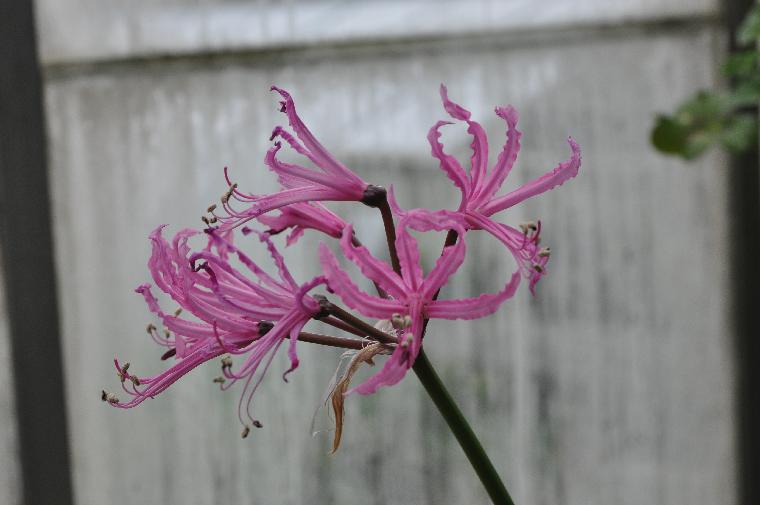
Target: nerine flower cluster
column 231, row 308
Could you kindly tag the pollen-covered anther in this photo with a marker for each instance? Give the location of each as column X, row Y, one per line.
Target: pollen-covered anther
column 528, row 227
column 123, row 375
column 211, row 208
column 167, row 333
column 226, row 362
column 257, row 424
column 538, row 268
column 246, row 431
column 134, row 380
column 544, row 252
column 150, row 328
column 205, row 220
column 397, row 321
column 108, row 397
column 219, row 380
column 178, row 312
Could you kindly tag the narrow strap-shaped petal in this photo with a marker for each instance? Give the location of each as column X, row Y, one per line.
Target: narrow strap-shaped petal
column 473, row 308
column 445, row 266
column 320, row 155
column 304, row 175
column 448, row 163
column 278, row 260
column 340, row 283
column 479, row 146
column 454, row 109
column 504, row 162
column 375, row 270
column 561, row 173
column 409, row 257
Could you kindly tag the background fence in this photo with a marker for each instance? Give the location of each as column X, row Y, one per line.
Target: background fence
column 615, row 385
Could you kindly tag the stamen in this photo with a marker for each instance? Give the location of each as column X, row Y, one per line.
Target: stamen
column 226, row 362
column 528, row 226
column 108, row 397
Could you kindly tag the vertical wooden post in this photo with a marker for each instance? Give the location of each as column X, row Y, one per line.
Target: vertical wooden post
column 744, row 210
column 25, row 237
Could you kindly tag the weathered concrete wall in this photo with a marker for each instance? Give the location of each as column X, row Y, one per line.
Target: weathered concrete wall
column 612, row 386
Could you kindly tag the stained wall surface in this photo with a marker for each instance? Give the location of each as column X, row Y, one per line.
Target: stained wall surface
column 613, row 385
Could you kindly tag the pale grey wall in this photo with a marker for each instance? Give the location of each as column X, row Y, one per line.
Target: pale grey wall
column 614, row 385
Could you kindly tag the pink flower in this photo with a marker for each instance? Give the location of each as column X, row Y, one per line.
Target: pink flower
column 231, row 314
column 411, row 294
column 302, row 216
column 478, row 187
column 331, row 180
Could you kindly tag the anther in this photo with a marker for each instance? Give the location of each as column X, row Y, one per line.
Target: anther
column 226, row 362
column 246, row 431
column 168, row 354
column 211, row 208
column 135, row 380
column 257, row 424
column 397, row 321
column 123, row 375
column 544, row 252
column 219, row 380
column 538, row 268
column 205, row 220
column 108, row 397
column 150, row 329
column 407, row 341
column 527, row 227
column 178, row 312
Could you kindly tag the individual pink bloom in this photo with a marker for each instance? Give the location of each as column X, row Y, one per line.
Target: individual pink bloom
column 412, row 295
column 232, row 314
column 302, row 216
column 331, row 180
column 479, row 186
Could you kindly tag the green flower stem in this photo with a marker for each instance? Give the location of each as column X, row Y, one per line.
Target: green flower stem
column 462, row 430
column 448, row 408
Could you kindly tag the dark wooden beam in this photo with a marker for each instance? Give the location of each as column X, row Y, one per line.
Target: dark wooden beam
column 27, row 251
column 744, row 213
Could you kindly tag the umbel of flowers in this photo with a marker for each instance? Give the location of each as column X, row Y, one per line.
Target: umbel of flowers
column 231, row 308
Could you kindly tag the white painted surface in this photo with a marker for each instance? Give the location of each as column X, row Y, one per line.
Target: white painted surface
column 613, row 386
column 10, row 483
column 113, row 29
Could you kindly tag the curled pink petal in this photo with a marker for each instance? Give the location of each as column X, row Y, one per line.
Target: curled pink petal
column 561, row 173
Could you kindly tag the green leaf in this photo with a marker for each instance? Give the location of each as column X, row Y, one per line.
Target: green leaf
column 749, row 30
column 742, row 64
column 740, row 133
column 669, row 135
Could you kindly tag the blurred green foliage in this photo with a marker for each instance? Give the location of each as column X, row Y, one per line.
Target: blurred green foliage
column 725, row 119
